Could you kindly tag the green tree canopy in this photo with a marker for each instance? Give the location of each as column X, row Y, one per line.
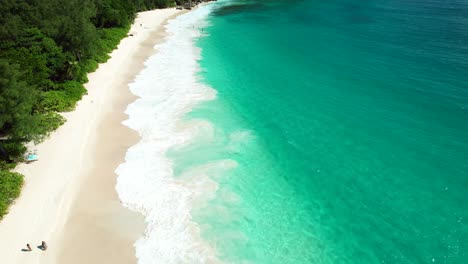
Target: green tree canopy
column 17, row 99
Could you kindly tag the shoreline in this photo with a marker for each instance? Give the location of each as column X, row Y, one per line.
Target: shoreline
column 169, row 87
column 69, row 198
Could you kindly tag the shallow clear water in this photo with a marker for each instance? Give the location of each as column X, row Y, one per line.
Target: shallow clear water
column 338, row 133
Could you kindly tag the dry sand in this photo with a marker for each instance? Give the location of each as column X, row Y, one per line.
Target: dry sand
column 69, row 197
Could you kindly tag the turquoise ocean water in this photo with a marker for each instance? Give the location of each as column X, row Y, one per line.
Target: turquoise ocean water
column 343, row 126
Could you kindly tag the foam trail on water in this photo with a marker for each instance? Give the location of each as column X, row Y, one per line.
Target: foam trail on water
column 168, row 88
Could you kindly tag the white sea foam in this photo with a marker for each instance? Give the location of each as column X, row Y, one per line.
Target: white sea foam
column 168, row 88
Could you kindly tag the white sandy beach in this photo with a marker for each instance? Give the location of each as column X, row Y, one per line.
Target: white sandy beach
column 69, row 197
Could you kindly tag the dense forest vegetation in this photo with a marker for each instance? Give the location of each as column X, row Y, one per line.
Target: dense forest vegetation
column 46, row 49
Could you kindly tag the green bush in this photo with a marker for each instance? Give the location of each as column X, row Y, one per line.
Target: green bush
column 54, row 101
column 14, row 150
column 10, row 188
column 109, row 39
column 62, row 100
column 88, row 66
column 4, row 165
column 48, row 122
column 82, row 68
column 74, row 90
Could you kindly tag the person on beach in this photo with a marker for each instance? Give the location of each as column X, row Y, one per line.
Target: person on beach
column 29, row 247
column 44, row 246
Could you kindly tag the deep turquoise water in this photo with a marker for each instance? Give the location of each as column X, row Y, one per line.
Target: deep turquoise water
column 348, row 122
